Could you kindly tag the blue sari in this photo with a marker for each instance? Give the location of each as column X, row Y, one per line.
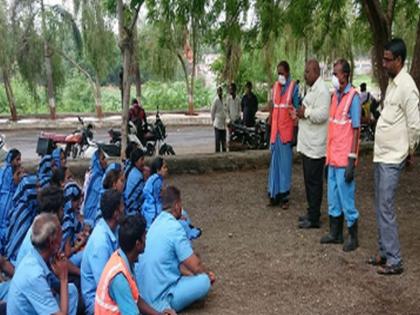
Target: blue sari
column 7, row 190
column 93, row 189
column 22, row 215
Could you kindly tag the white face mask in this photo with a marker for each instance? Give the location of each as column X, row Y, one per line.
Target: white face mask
column 335, row 82
column 282, row 79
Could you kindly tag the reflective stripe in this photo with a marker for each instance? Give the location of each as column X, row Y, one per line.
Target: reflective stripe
column 100, row 298
column 340, row 121
column 282, row 106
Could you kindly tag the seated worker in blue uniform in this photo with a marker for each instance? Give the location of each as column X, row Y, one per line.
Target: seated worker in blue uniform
column 169, row 273
column 133, row 192
column 152, row 205
column 100, row 246
column 31, row 289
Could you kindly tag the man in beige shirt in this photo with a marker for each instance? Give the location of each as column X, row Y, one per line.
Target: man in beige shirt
column 397, row 135
column 312, row 140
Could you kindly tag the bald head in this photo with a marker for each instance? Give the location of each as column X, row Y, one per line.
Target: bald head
column 312, row 71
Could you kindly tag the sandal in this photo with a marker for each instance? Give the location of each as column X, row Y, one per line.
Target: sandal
column 388, row 270
column 285, row 205
column 376, row 260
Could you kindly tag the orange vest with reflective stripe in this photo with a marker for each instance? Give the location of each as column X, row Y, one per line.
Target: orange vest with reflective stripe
column 281, row 122
column 104, row 305
column 340, row 130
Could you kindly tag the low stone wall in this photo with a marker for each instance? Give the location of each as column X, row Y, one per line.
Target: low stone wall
column 201, row 163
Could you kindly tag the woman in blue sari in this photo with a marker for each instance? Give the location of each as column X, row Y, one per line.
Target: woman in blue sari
column 22, row 214
column 152, row 205
column 113, row 179
column 135, row 183
column 71, row 226
column 93, row 187
column 45, row 170
column 7, row 188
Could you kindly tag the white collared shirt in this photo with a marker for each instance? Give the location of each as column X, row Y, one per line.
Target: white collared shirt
column 312, row 136
column 398, row 127
column 218, row 114
column 233, row 107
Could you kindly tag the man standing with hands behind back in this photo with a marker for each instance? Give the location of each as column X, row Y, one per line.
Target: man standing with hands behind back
column 397, row 135
column 312, row 140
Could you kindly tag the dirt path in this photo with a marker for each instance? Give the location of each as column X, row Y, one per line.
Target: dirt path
column 266, row 265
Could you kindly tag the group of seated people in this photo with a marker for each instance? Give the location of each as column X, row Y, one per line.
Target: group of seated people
column 72, row 250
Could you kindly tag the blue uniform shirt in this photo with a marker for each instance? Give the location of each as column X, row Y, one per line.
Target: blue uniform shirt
column 30, row 289
column 157, row 272
column 120, row 291
column 355, row 107
column 133, row 192
column 100, row 246
column 152, row 205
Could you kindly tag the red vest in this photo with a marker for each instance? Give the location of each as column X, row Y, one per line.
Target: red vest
column 340, row 130
column 281, row 122
column 104, row 305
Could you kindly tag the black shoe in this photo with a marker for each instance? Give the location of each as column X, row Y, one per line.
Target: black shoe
column 306, row 224
column 274, row 202
column 303, row 217
column 390, row 270
column 352, row 242
column 335, row 236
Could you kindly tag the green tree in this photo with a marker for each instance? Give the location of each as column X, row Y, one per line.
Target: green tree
column 7, row 53
column 181, row 24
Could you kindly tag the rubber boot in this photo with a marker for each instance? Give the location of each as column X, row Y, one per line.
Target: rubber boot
column 335, row 236
column 352, row 242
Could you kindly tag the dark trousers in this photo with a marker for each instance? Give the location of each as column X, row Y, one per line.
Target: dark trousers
column 313, row 174
column 220, row 135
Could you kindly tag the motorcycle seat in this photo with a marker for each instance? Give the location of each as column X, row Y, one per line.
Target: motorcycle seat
column 54, row 137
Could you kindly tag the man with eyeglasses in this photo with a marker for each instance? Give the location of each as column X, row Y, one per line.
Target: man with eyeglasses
column 397, row 135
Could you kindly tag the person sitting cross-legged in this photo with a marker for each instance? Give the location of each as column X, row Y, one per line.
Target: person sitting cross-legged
column 117, row 289
column 100, row 246
column 169, row 273
column 32, row 290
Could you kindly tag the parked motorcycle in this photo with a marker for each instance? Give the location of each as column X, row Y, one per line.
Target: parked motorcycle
column 152, row 141
column 75, row 143
column 254, row 138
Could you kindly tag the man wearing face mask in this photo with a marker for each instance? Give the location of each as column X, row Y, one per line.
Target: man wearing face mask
column 285, row 98
column 396, row 138
column 342, row 149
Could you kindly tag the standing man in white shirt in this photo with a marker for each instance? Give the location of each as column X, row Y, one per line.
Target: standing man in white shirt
column 312, row 141
column 397, row 135
column 218, row 117
column 233, row 104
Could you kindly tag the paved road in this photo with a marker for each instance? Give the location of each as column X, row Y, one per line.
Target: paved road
column 184, row 140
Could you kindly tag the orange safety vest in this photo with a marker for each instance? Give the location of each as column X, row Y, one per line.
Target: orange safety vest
column 104, row 305
column 281, row 122
column 340, row 130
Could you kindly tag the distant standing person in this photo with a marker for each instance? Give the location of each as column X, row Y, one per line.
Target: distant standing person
column 249, row 105
column 285, row 100
column 397, row 135
column 218, row 117
column 312, row 141
column 233, row 104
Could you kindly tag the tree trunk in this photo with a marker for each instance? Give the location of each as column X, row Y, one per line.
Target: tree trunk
column 137, row 79
column 187, row 81
column 98, row 98
column 381, row 25
column 48, row 66
column 10, row 96
column 194, row 64
column 415, row 66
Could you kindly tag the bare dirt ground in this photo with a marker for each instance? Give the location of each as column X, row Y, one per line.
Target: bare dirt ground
column 265, row 265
